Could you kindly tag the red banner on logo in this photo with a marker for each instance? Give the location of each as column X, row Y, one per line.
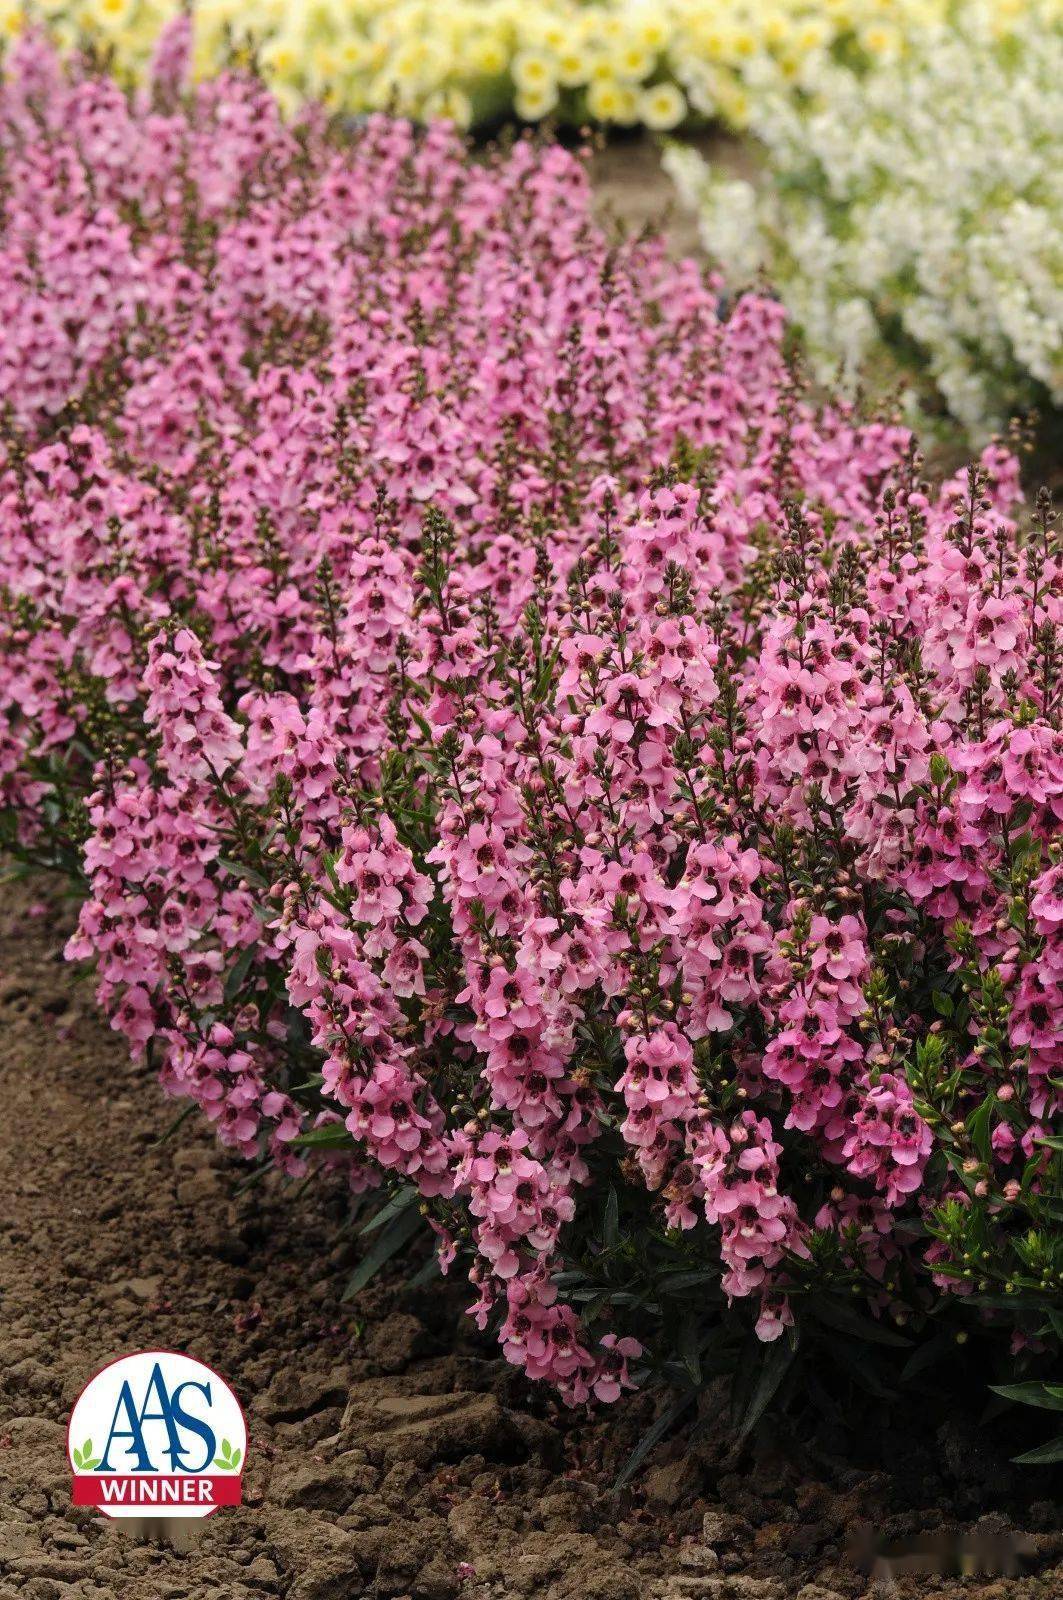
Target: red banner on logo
column 155, row 1489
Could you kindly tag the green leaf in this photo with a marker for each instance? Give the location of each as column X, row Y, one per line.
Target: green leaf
column 846, row 1320
column 390, row 1241
column 77, row 1458
column 611, row 1224
column 862, row 1370
column 978, row 1126
column 1048, row 1396
column 239, row 970
column 178, row 1121
column 689, row 1347
column 676, row 1282
column 240, row 869
column 942, row 1003
column 1044, row 1455
column 428, row 1273
column 594, row 1306
column 653, row 1435
column 775, row 1366
column 235, row 1458
column 398, row 1202
column 1055, row 1321
column 330, row 1136
column 927, row 1355
column 90, row 1466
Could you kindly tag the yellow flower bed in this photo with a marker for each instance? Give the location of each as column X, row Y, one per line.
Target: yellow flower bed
column 627, row 62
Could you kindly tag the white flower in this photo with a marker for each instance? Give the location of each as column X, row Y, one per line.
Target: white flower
column 916, row 200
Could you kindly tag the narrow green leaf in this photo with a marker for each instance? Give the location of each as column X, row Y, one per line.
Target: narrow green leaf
column 862, row 1370
column 239, row 970
column 330, row 1136
column 676, row 1282
column 1044, row 1455
column 398, row 1202
column 776, row 1364
column 927, row 1355
column 181, row 1118
column 1048, row 1396
column 653, row 1435
column 428, row 1273
column 611, row 1224
column 240, row 869
column 315, row 1081
column 978, row 1127
column 689, row 1348
column 390, row 1241
column 846, row 1320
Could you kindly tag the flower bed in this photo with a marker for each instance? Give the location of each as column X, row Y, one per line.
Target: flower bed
column 651, row 62
column 912, row 216
column 514, row 745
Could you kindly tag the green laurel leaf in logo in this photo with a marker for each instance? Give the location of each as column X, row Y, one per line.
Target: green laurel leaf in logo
column 228, row 1459
column 84, row 1460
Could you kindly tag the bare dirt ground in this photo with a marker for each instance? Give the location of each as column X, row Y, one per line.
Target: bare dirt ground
column 390, row 1453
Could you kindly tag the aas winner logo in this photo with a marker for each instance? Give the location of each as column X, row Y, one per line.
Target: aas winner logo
column 157, row 1434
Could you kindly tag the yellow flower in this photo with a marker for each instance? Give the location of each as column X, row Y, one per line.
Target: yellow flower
column 651, row 35
column 811, row 35
column 610, row 101
column 353, row 54
column 630, row 61
column 109, row 14
column 487, row 56
column 878, row 39
column 280, row 59
column 733, row 103
column 532, row 104
column 662, row 107
column 451, row 104
column 533, row 71
column 573, row 68
column 554, row 35
column 775, row 29
column 409, row 63
column 325, row 69
column 711, row 42
column 600, row 69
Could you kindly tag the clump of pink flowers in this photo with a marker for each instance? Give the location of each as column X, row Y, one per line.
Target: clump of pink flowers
column 512, row 741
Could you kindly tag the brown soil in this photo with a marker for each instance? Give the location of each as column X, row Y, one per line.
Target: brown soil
column 390, row 1453
column 632, row 187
